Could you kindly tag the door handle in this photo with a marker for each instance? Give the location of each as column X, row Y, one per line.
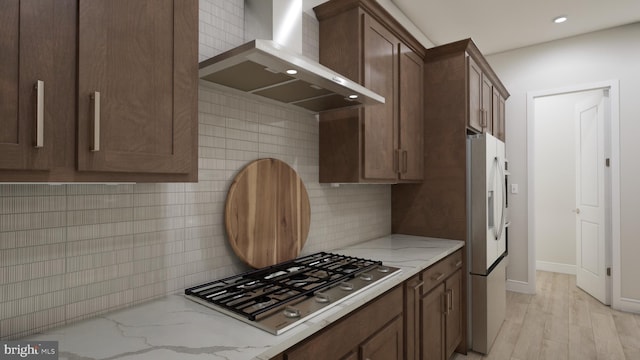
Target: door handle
column 39, row 88
column 95, row 99
column 503, row 205
column 576, row 210
column 404, row 161
column 483, row 116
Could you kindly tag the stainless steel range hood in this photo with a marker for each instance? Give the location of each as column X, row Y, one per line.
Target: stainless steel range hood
column 268, row 69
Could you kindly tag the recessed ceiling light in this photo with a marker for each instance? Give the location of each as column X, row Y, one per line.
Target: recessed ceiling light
column 354, row 96
column 292, row 71
column 560, row 19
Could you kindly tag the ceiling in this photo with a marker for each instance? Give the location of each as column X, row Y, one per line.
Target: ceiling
column 500, row 25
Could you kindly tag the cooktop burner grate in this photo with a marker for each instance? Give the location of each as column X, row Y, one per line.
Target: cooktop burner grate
column 278, row 297
column 260, row 291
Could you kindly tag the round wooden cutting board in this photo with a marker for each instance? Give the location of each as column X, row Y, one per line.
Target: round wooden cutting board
column 267, row 213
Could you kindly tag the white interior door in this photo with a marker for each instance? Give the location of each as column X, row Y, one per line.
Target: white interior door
column 591, row 227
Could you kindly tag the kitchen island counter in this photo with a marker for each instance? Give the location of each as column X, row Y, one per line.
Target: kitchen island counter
column 174, row 327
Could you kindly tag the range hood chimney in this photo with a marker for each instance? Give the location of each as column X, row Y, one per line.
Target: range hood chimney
column 272, row 66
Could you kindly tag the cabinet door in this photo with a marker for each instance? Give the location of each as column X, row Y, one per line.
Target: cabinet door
column 453, row 313
column 140, row 57
column 475, row 95
column 380, row 121
column 411, row 321
column 495, row 112
column 351, row 356
column 432, row 319
column 487, row 105
column 501, row 128
column 26, row 48
column 386, row 344
column 410, row 99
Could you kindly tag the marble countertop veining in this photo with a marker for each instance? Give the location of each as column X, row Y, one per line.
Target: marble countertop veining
column 174, row 327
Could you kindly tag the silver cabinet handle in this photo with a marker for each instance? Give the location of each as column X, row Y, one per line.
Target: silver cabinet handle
column 95, row 97
column 404, row 161
column 438, row 277
column 458, row 264
column 483, row 114
column 39, row 133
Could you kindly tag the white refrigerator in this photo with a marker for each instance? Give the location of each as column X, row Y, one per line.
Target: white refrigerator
column 487, row 250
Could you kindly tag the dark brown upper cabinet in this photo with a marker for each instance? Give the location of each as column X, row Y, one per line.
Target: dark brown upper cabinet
column 26, row 70
column 486, row 94
column 380, row 143
column 462, row 96
column 135, row 55
column 120, row 90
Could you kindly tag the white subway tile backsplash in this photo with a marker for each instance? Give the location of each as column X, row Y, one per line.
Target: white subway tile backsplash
column 69, row 252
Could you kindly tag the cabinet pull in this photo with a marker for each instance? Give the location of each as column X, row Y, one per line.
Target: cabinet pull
column 95, row 100
column 39, row 131
column 395, row 161
column 458, row 263
column 416, row 323
column 437, row 277
column 418, row 286
column 483, row 114
column 404, row 161
column 449, row 301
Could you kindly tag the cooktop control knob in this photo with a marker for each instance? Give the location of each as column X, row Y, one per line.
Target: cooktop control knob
column 291, row 312
column 346, row 286
column 366, row 276
column 322, row 298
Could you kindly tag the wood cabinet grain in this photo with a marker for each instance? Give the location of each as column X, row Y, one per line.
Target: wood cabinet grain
column 141, row 56
column 454, row 77
column 386, row 344
column 28, row 51
column 475, row 84
column 453, row 313
column 411, row 121
column 435, row 301
column 374, row 330
column 132, row 53
column 381, row 143
column 380, row 125
column 432, row 324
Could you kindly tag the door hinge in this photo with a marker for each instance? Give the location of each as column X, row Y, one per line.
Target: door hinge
column 607, row 162
column 608, row 271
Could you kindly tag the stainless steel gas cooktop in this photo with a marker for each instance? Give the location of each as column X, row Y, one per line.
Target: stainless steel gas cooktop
column 279, row 297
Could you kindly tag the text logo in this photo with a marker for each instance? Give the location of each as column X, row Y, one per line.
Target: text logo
column 33, row 350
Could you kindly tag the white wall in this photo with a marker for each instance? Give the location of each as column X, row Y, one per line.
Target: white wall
column 595, row 57
column 554, row 180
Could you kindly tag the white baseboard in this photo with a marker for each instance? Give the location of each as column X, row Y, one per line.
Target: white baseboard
column 520, row 287
column 626, row 304
column 556, row 267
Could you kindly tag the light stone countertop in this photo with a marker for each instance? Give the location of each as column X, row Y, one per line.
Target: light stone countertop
column 174, row 327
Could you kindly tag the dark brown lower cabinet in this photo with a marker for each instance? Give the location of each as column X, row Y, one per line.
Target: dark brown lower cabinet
column 434, row 310
column 374, row 332
column 432, row 329
column 453, row 312
column 386, row 344
column 420, row 319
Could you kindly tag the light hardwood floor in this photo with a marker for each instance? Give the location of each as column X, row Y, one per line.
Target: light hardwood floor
column 562, row 322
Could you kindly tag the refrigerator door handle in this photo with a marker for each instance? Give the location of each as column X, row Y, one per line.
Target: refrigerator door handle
column 503, row 205
column 490, row 210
